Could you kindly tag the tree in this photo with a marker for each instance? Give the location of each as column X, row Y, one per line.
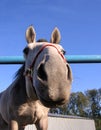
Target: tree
column 71, row 106
column 81, row 103
column 94, row 102
column 78, row 103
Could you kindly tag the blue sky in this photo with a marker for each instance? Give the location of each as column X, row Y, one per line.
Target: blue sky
column 79, row 22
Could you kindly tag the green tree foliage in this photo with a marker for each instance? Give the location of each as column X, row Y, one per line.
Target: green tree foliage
column 94, row 98
column 77, row 104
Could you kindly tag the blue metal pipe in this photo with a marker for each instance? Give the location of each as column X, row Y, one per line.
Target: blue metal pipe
column 69, row 58
column 83, row 58
column 11, row 60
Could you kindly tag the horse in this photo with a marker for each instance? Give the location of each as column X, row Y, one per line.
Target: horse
column 42, row 82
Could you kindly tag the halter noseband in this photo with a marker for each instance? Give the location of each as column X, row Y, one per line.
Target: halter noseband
column 28, row 72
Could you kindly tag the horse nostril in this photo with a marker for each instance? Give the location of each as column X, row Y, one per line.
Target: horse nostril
column 41, row 72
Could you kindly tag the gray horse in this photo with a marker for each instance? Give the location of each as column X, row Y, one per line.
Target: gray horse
column 43, row 82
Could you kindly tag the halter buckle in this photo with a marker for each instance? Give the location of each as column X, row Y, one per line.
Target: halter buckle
column 28, row 72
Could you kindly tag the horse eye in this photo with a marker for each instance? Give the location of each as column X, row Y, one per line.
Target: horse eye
column 26, row 50
column 64, row 52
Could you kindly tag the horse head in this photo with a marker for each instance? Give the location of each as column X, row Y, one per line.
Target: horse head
column 48, row 75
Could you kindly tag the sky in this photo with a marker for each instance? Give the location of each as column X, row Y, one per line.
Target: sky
column 79, row 22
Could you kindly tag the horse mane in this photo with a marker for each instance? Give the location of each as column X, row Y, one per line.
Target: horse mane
column 20, row 72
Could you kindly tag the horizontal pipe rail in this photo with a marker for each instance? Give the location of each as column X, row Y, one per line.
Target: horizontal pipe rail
column 69, row 58
column 84, row 58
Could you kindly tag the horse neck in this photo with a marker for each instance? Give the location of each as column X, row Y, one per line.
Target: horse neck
column 20, row 84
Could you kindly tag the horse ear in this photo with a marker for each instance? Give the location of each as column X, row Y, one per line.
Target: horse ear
column 55, row 36
column 30, row 35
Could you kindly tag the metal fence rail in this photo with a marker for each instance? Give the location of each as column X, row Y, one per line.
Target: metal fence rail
column 69, row 58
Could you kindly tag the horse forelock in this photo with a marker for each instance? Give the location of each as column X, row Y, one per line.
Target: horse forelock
column 42, row 40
